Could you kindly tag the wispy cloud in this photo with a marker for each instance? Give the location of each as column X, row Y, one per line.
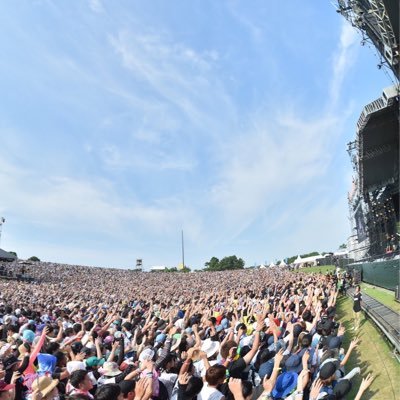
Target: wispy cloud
column 256, row 32
column 170, row 125
column 93, row 205
column 159, row 161
column 272, row 158
column 343, row 59
column 96, row 6
column 176, row 73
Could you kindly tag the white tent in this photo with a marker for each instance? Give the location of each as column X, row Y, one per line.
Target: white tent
column 341, row 253
column 311, row 261
column 262, row 266
column 298, row 261
column 283, row 264
column 158, row 268
column 271, row 265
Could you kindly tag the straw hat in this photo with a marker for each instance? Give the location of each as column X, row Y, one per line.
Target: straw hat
column 45, row 385
column 110, row 368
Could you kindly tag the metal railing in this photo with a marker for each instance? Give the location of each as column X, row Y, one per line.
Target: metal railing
column 391, row 332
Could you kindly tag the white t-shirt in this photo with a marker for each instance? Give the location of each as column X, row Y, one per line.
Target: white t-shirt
column 210, row 393
column 103, row 380
column 168, row 380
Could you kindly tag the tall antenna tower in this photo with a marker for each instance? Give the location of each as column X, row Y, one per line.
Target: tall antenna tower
column 139, row 264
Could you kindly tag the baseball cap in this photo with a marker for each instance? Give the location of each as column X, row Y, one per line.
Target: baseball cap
column 94, row 361
column 327, row 370
column 335, row 342
column 160, row 338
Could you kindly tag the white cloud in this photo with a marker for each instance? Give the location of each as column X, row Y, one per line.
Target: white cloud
column 256, row 32
column 116, row 158
column 273, row 157
column 166, row 89
column 343, row 59
column 89, row 206
column 319, row 228
column 177, row 74
column 96, row 6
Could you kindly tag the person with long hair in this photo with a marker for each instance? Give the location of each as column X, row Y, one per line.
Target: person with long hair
column 357, row 297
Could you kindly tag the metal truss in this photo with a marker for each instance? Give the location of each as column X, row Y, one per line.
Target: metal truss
column 371, row 19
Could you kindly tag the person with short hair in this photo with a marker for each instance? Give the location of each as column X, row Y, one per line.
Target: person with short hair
column 128, row 389
column 109, row 391
column 81, row 383
column 215, row 376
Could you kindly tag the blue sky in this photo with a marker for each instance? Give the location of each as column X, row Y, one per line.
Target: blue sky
column 123, row 122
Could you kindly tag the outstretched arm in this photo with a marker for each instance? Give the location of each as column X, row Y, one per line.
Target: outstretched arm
column 353, row 345
column 249, row 356
column 366, row 382
column 39, row 346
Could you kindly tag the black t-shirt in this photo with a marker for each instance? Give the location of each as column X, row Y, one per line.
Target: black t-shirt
column 236, row 368
column 357, row 302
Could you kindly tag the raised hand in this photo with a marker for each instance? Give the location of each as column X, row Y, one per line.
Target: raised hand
column 232, row 352
column 268, row 384
column 115, row 345
column 366, row 382
column 172, row 331
column 278, row 357
column 305, row 358
column 235, row 386
column 302, row 380
column 184, row 378
column 141, row 387
column 190, row 352
column 354, row 343
column 315, row 389
column 260, row 325
column 15, row 377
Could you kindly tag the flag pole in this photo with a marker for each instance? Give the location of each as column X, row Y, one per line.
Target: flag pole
column 183, row 253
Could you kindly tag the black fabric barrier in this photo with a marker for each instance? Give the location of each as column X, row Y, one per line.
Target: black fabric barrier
column 385, row 274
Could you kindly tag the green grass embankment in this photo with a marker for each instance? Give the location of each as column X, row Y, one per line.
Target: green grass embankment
column 386, row 297
column 317, row 270
column 373, row 355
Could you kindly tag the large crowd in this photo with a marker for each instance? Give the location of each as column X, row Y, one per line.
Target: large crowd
column 107, row 334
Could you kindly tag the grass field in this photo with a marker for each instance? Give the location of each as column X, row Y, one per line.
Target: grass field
column 385, row 296
column 319, row 270
column 373, row 354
